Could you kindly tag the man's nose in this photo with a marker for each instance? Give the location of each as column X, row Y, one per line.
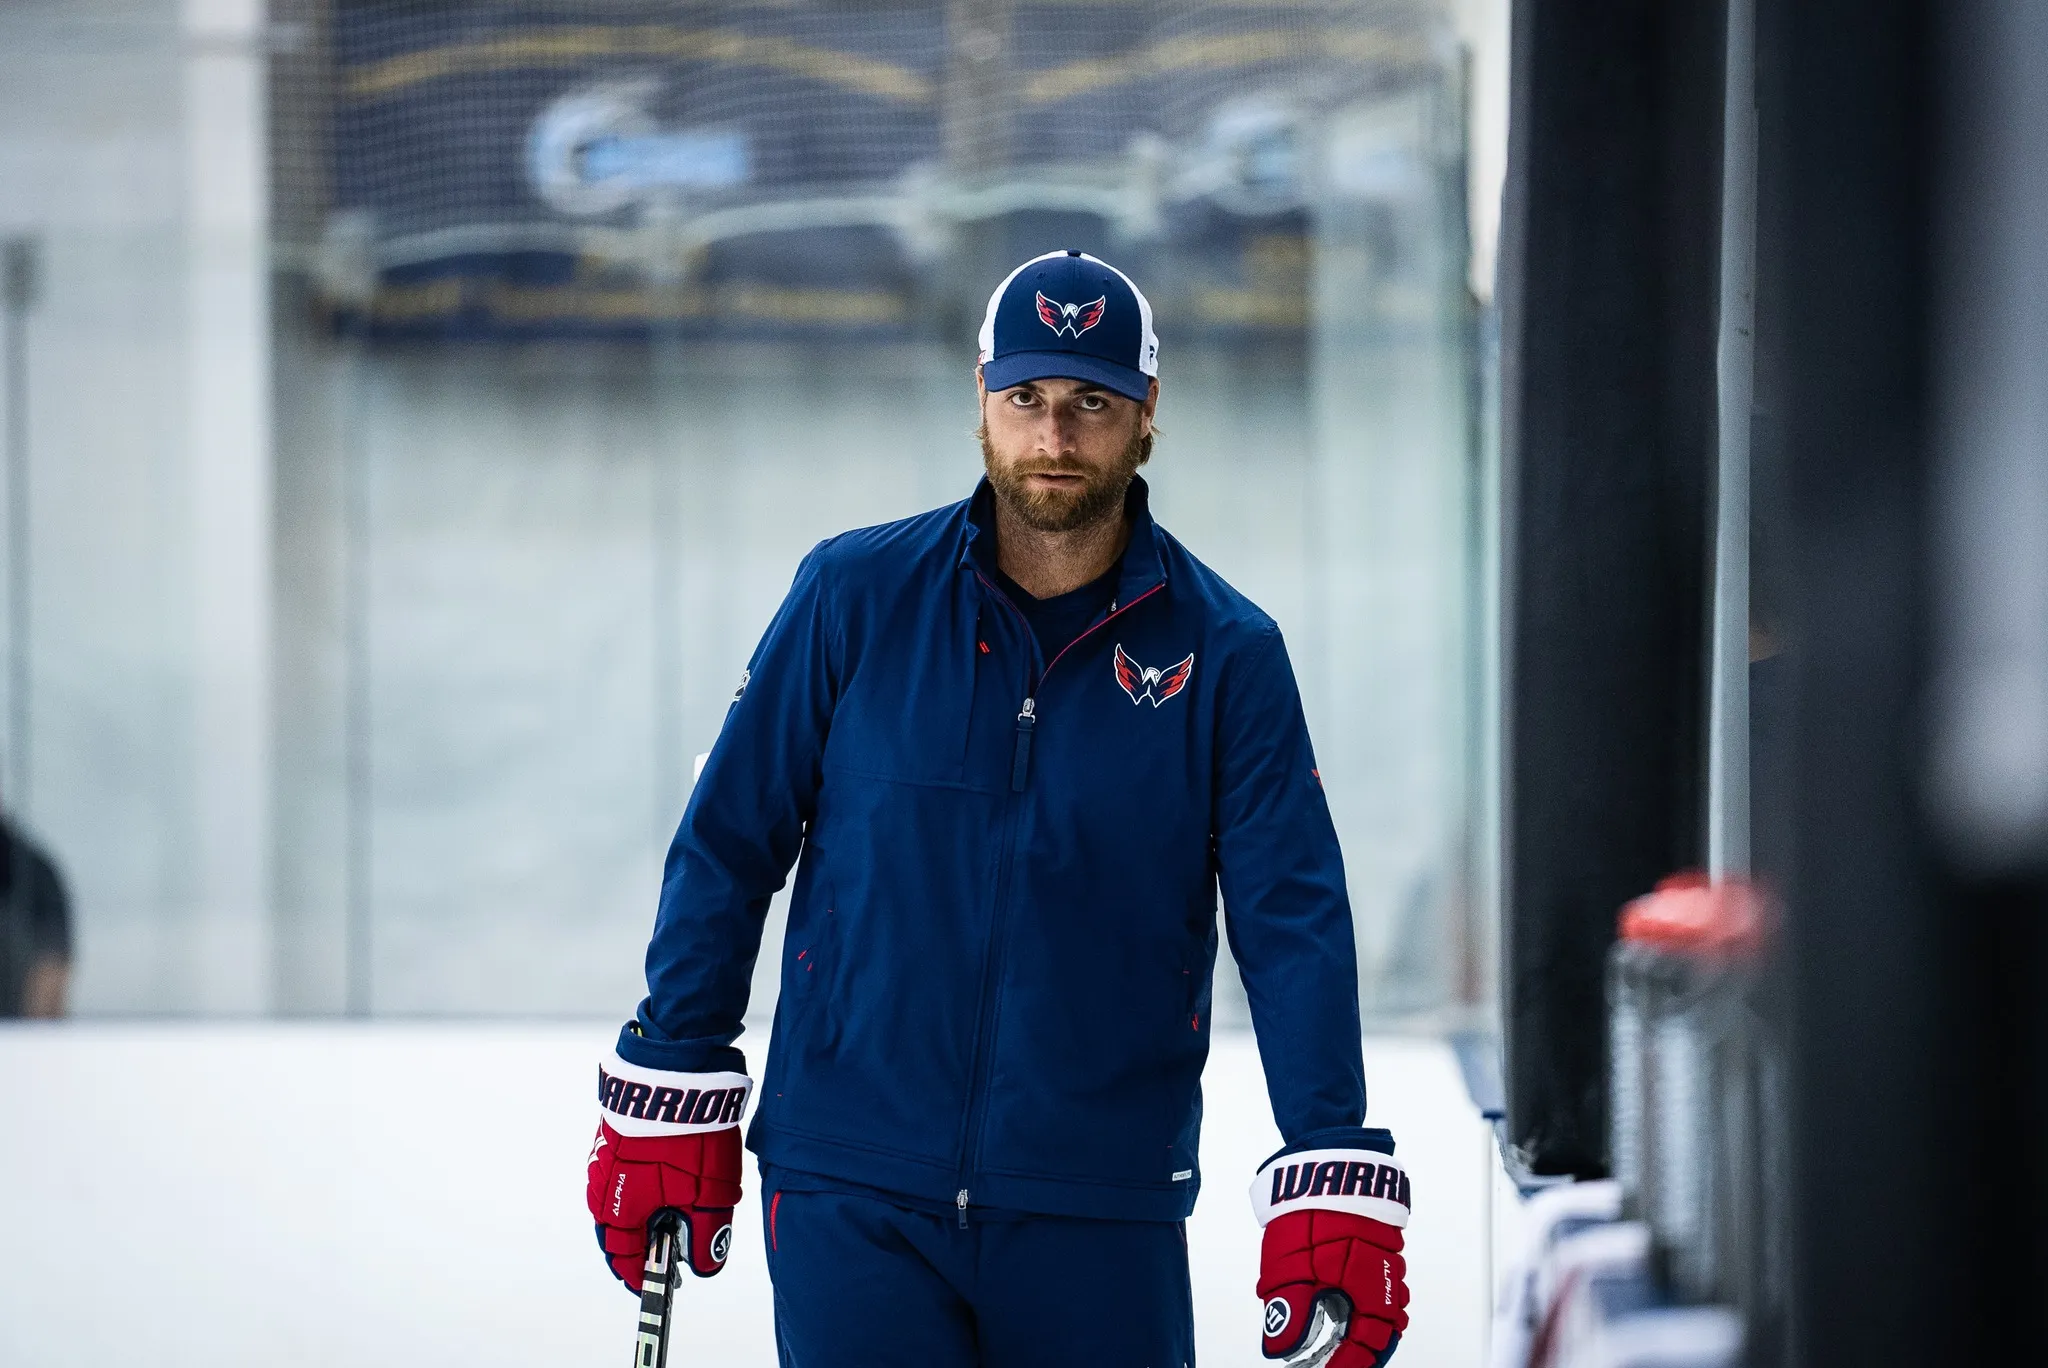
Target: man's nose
column 1056, row 434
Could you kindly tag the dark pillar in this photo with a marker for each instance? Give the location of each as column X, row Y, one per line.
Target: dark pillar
column 1914, row 957
column 1609, row 296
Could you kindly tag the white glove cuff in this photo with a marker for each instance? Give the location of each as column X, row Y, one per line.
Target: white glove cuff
column 1362, row 1182
column 634, row 1100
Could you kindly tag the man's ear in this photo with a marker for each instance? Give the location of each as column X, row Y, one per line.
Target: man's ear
column 1148, row 408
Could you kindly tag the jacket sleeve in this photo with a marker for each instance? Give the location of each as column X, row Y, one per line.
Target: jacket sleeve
column 739, row 836
column 1285, row 908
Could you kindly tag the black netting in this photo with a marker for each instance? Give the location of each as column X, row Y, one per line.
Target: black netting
column 797, row 169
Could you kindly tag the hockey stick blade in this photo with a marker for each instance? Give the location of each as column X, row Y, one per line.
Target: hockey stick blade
column 657, row 1291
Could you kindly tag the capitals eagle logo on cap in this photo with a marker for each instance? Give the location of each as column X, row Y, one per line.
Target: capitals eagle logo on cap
column 1070, row 320
column 1145, row 681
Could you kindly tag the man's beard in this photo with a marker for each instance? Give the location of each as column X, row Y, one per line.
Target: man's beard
column 1100, row 494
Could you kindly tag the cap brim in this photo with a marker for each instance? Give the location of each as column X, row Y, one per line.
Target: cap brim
column 1006, row 372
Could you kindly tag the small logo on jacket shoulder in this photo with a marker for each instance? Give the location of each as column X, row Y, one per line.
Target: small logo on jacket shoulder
column 1143, row 682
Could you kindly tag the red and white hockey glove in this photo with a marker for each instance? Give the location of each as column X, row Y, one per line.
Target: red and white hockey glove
column 1331, row 1273
column 665, row 1141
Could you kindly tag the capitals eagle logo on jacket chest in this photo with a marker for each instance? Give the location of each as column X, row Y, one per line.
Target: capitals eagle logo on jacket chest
column 1149, row 683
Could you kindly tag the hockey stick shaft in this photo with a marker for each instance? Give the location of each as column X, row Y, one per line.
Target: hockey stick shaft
column 657, row 1293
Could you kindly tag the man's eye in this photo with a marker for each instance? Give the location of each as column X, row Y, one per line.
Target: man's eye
column 1093, row 402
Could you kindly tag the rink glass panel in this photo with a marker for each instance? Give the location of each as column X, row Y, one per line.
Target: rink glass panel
column 542, row 453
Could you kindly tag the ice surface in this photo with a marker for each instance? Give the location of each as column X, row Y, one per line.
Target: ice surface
column 396, row 1194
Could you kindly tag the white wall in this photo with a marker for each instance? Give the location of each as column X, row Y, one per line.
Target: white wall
column 228, row 418
column 131, row 146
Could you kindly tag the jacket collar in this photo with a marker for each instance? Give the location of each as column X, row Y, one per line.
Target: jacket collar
column 1144, row 565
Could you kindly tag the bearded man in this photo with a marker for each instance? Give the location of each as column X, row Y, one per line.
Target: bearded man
column 1013, row 748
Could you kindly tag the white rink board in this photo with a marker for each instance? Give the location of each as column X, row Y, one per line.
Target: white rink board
column 209, row 1196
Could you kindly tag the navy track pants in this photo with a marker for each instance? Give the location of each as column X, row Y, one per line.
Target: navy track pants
column 863, row 1283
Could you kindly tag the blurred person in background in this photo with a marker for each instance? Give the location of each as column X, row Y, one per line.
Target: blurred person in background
column 1018, row 744
column 35, row 930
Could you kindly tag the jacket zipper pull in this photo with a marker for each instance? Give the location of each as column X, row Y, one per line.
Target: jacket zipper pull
column 960, row 1201
column 1020, row 765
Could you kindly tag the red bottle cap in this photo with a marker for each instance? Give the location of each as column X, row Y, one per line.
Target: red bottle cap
column 1689, row 914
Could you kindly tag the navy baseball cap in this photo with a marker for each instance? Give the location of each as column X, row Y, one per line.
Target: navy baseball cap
column 1070, row 316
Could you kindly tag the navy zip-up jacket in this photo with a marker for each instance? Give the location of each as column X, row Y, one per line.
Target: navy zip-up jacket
column 997, row 972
